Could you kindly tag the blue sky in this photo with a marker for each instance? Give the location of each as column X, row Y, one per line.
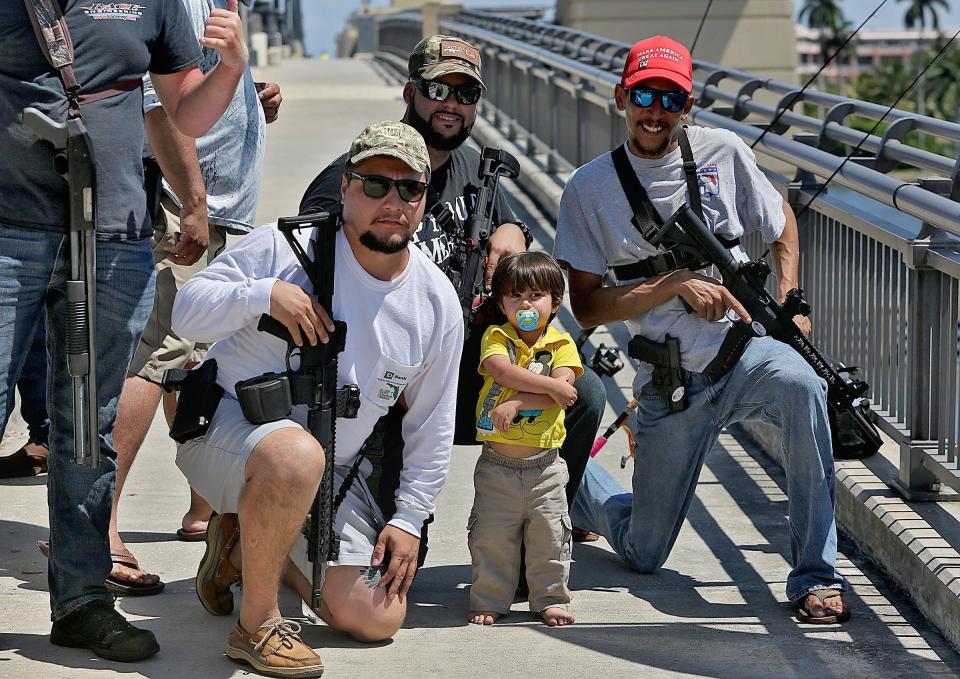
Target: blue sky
column 325, row 18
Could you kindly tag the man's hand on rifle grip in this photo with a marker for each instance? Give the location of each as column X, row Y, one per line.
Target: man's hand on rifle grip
column 706, row 296
column 404, row 549
column 506, row 240
column 299, row 311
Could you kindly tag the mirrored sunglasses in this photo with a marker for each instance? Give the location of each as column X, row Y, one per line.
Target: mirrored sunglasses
column 377, row 186
column 672, row 102
column 438, row 91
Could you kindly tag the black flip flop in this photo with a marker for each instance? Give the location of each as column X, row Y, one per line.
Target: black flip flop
column 20, row 464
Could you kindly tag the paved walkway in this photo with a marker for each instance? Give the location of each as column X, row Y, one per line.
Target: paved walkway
column 717, row 609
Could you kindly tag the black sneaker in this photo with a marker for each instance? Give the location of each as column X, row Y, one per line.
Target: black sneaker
column 99, row 627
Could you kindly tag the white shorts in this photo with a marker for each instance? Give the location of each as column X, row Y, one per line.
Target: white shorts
column 215, row 467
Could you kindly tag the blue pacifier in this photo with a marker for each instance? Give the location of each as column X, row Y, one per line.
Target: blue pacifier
column 527, row 319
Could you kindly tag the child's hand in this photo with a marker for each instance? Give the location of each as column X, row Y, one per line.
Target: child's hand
column 503, row 415
column 563, row 393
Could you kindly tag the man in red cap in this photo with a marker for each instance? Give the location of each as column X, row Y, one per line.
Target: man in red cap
column 723, row 374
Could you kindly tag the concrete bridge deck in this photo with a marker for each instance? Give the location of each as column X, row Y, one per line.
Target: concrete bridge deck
column 717, row 609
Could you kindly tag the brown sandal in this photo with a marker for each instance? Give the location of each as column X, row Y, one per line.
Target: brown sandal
column 804, row 615
column 123, row 587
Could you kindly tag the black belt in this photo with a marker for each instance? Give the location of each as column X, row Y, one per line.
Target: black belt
column 734, row 344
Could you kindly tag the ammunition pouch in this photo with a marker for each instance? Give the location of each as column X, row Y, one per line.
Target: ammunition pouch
column 271, row 396
column 199, row 397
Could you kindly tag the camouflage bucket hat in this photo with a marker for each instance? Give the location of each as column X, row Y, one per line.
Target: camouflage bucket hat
column 394, row 139
column 444, row 54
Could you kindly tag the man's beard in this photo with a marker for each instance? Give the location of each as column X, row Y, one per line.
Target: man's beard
column 371, row 242
column 433, row 138
column 658, row 150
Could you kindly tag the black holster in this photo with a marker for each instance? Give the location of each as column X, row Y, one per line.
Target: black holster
column 199, row 397
column 668, row 375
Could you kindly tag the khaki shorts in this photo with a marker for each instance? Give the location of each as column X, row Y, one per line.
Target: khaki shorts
column 215, row 465
column 160, row 348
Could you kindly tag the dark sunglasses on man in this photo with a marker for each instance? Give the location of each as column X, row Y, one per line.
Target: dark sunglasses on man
column 378, row 186
column 433, row 89
column 672, row 102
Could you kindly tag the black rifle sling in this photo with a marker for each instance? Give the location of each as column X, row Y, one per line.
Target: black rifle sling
column 644, row 212
column 690, row 170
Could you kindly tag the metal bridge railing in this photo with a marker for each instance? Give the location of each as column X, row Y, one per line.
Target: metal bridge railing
column 880, row 256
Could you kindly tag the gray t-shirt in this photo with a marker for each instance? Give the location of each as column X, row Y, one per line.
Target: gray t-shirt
column 114, row 42
column 231, row 152
column 594, row 231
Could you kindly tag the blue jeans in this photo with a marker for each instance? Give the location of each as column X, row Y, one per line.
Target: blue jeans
column 770, row 383
column 34, row 266
column 32, row 386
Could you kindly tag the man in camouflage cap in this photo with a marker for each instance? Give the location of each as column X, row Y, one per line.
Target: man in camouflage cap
column 443, row 90
column 261, row 479
column 442, row 55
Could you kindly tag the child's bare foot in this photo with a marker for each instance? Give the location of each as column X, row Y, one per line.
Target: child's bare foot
column 483, row 617
column 557, row 617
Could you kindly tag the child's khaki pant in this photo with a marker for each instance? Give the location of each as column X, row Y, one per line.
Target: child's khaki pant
column 519, row 501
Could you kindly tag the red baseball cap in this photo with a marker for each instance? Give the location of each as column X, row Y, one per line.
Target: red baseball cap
column 659, row 57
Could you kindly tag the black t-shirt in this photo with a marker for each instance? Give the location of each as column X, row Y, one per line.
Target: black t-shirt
column 455, row 184
column 113, row 43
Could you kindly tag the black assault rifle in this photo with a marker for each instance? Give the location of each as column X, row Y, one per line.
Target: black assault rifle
column 73, row 160
column 694, row 247
column 465, row 266
column 313, row 383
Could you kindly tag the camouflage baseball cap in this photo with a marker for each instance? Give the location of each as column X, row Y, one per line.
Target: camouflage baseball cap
column 394, row 139
column 443, row 54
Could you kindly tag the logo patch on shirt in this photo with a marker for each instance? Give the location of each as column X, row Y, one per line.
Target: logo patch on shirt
column 391, row 384
column 708, row 179
column 117, row 11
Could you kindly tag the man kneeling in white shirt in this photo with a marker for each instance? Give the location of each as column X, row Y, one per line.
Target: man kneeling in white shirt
column 405, row 333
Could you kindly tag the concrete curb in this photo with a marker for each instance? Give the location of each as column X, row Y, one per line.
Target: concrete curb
column 885, row 527
column 891, row 532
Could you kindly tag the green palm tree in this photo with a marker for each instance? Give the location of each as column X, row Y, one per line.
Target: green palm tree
column 826, row 17
column 919, row 10
column 916, row 16
column 822, row 16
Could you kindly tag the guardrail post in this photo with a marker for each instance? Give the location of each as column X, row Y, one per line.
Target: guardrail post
column 916, row 482
column 553, row 141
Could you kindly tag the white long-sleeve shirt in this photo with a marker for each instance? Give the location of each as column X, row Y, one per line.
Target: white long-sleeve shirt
column 403, row 336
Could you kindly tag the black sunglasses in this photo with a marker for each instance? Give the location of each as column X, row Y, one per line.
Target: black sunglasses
column 438, row 91
column 377, row 186
column 672, row 102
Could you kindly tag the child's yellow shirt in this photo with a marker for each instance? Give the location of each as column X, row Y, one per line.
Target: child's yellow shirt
column 541, row 428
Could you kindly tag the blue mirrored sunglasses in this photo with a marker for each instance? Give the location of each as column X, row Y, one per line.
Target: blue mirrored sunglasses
column 672, row 102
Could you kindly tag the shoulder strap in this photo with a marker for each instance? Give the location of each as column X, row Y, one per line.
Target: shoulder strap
column 690, row 169
column 644, row 212
column 54, row 39
column 645, row 217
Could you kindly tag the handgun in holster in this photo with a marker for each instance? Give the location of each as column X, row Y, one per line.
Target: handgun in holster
column 198, row 400
column 667, row 372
